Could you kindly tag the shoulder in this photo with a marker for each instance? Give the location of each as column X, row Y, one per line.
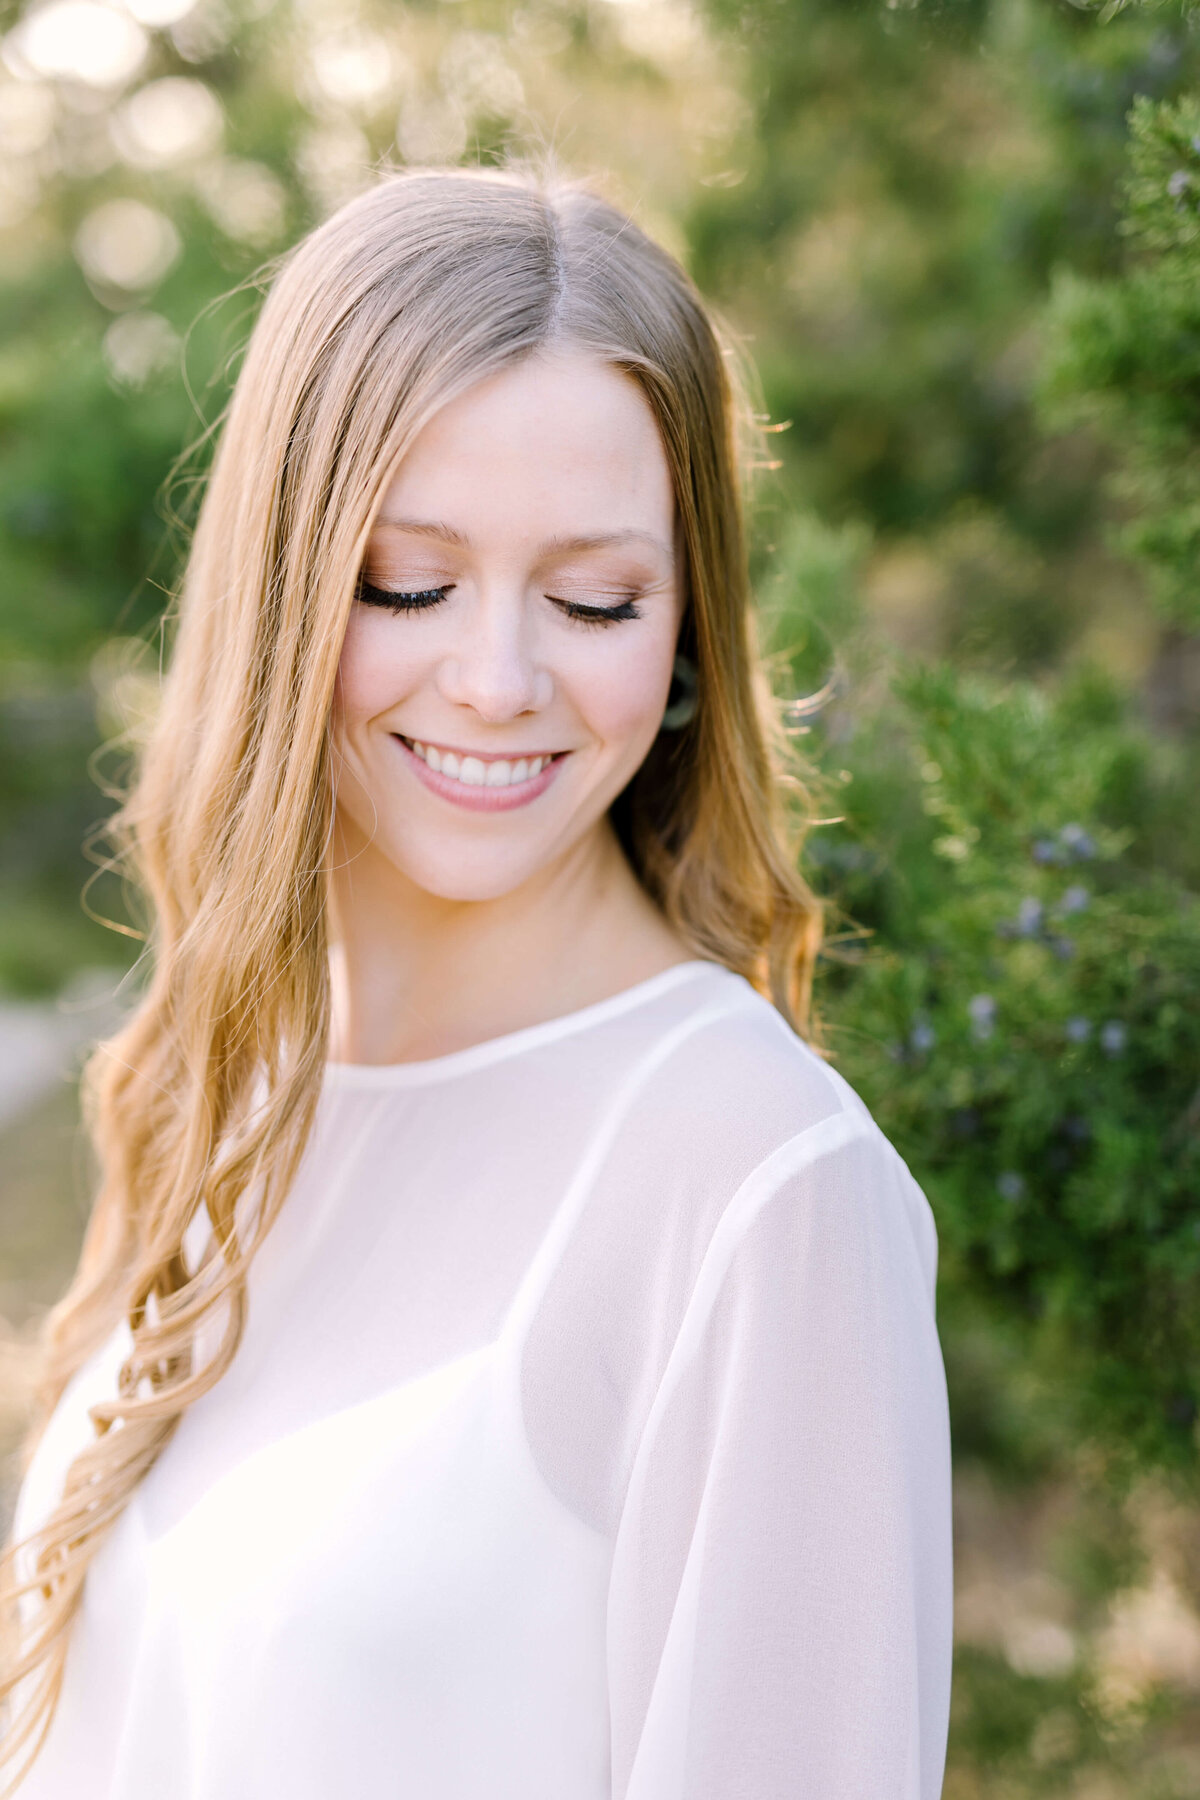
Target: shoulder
column 732, row 1109
column 770, row 1168
column 737, row 1076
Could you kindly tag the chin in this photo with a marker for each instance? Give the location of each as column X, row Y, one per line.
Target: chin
column 469, row 877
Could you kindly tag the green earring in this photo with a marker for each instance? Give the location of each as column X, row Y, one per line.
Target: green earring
column 682, row 711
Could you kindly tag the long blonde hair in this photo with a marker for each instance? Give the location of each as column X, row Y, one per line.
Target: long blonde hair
column 410, row 294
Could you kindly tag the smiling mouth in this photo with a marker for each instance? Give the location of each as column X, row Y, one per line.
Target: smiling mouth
column 480, row 771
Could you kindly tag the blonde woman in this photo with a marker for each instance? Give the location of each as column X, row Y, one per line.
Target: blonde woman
column 502, row 1363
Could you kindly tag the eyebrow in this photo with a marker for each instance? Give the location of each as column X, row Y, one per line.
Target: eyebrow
column 595, row 540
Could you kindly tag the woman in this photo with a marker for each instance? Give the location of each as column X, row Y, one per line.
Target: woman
column 579, row 1428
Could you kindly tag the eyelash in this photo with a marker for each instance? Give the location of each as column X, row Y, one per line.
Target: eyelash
column 376, row 596
column 597, row 615
column 417, row 602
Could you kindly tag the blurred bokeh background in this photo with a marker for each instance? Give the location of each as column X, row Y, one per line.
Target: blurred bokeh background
column 959, row 240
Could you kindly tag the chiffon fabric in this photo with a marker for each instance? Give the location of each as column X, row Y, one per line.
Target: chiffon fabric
column 588, row 1441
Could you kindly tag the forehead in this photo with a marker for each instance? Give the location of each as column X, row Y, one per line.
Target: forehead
column 561, row 444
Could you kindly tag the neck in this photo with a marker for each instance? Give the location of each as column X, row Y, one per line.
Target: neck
column 416, row 975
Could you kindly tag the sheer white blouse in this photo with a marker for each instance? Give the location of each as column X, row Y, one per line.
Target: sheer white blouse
column 588, row 1441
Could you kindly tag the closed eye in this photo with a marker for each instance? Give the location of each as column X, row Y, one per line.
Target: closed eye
column 596, row 615
column 396, row 601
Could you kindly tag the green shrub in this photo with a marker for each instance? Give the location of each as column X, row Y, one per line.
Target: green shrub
column 1124, row 354
column 1021, row 1013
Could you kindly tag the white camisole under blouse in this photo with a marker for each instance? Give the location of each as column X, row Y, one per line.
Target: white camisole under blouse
column 588, row 1440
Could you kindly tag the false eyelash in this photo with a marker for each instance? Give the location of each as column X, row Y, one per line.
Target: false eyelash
column 400, row 602
column 597, row 615
column 396, row 601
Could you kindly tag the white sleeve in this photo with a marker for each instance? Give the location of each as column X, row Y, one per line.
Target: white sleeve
column 781, row 1607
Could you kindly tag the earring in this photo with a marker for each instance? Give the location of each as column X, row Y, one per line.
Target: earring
column 682, row 711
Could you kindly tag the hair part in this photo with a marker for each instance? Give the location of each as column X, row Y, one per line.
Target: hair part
column 201, row 1105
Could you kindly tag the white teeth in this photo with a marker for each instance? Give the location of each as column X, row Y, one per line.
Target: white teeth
column 473, row 772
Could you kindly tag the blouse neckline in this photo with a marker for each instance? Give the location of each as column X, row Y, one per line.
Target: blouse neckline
column 511, row 1043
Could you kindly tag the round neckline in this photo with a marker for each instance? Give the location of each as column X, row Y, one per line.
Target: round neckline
column 526, row 1037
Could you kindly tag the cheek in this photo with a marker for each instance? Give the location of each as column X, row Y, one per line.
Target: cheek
column 622, row 697
column 372, row 674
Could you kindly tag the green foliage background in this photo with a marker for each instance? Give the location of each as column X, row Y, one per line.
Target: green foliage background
column 960, row 243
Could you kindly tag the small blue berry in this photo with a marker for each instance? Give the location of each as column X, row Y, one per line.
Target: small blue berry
column 1029, row 917
column 1077, row 842
column 982, row 1010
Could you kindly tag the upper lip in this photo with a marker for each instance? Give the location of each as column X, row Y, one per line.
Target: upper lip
column 485, row 756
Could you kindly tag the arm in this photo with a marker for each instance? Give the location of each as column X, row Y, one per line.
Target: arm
column 781, row 1605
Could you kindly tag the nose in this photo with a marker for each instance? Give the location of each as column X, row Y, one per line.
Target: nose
column 493, row 668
